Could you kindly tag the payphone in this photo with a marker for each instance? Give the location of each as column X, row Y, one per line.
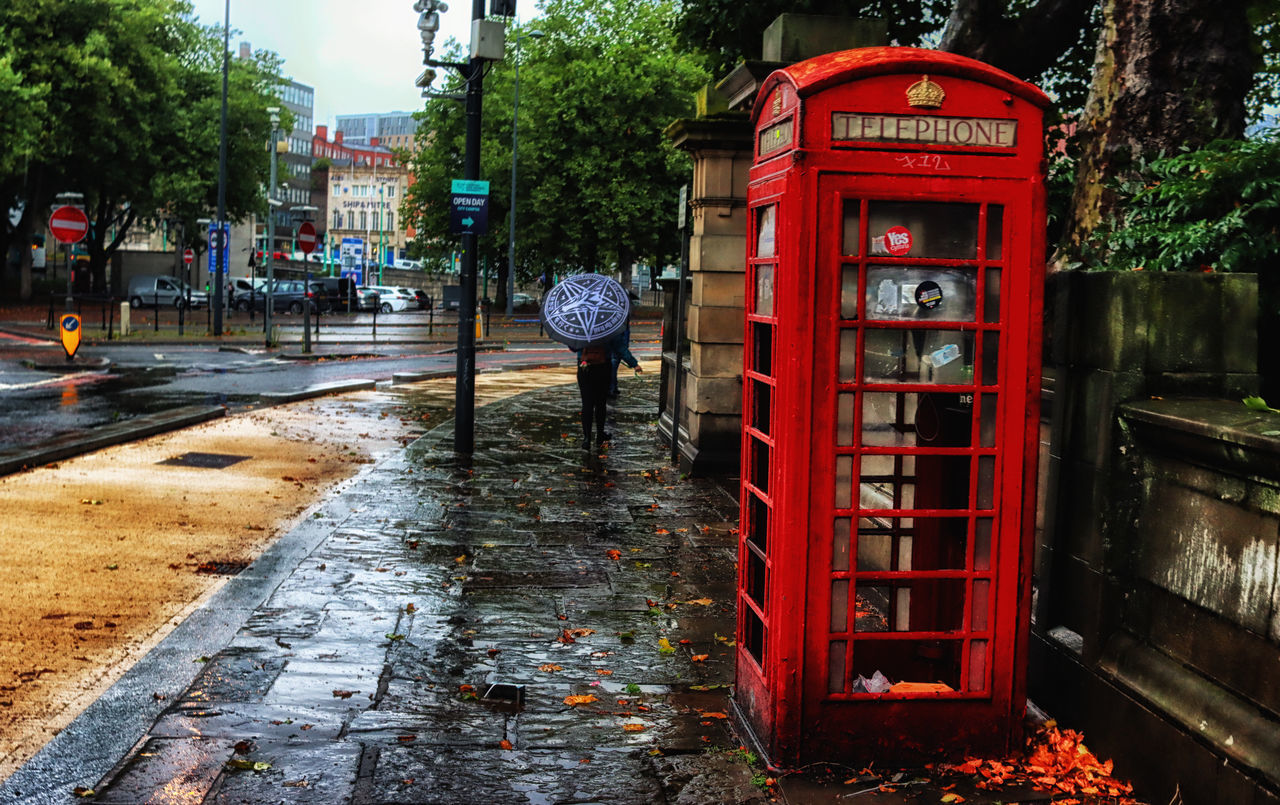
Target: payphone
column 891, row 404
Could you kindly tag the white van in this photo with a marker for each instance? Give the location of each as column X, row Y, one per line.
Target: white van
column 409, row 265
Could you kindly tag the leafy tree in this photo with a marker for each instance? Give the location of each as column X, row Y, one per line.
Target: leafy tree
column 597, row 178
column 124, row 86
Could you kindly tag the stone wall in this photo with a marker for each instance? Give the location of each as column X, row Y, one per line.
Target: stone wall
column 1157, row 600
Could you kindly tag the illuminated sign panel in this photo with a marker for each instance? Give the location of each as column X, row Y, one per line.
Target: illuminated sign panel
column 974, row 132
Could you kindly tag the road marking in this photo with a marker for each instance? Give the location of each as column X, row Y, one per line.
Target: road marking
column 51, row 381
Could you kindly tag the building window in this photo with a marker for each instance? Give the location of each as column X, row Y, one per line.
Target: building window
column 391, row 221
column 337, row 220
column 391, row 191
column 364, row 220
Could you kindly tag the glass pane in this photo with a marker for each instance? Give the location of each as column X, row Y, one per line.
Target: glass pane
column 760, row 465
column 941, row 543
column 840, row 544
column 916, row 605
column 871, row 608
column 758, row 523
column 765, row 231
column 978, row 665
column 991, row 358
column 849, row 292
column 755, row 582
column 753, row 634
column 986, row 481
column 923, row 229
column 919, row 356
column 844, row 419
column 761, row 406
column 987, row 430
column 762, row 351
column 982, row 544
column 930, row 661
column 839, row 605
column 995, row 232
column 886, row 492
column 835, row 666
column 844, row 482
column 764, row 291
column 897, row 293
column 877, row 539
column 850, row 241
column 848, row 356
column 991, row 297
column 896, row 467
column 981, row 604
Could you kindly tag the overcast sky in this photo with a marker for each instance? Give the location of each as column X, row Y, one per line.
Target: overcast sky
column 362, row 56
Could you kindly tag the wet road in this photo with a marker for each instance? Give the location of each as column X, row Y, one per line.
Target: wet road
column 41, row 399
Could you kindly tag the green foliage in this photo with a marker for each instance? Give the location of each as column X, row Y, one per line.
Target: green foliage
column 119, row 100
column 1216, row 208
column 597, row 179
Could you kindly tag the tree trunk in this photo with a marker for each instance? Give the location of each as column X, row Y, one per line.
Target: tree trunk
column 1168, row 74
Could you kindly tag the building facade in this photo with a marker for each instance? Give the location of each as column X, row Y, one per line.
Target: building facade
column 361, row 209
column 390, row 129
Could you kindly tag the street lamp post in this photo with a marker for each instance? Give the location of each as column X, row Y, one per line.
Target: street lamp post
column 515, row 152
column 272, row 203
column 221, row 256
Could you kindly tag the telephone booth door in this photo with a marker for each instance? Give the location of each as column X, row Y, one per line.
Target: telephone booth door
column 893, row 520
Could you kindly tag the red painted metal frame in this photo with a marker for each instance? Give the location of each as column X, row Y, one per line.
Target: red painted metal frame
column 782, row 695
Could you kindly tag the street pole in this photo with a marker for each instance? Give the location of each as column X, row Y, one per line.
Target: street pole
column 221, row 257
column 274, row 111
column 465, row 383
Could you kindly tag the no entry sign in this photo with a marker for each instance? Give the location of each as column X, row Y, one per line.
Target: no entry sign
column 188, row 256
column 307, row 237
column 68, row 225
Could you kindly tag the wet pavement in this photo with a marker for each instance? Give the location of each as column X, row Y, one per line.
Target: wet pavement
column 543, row 624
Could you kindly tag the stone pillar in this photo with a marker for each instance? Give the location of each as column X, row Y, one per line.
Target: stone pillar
column 710, row 423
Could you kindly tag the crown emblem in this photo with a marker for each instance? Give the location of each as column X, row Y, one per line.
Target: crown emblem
column 777, row 103
column 925, row 94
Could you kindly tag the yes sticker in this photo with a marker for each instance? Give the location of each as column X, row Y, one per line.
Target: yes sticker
column 897, row 241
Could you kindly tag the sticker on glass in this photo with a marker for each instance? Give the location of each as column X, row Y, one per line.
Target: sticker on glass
column 928, row 294
column 897, row 241
column 887, row 297
column 944, row 355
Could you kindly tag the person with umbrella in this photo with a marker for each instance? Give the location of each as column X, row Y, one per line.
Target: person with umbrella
column 588, row 313
column 596, row 367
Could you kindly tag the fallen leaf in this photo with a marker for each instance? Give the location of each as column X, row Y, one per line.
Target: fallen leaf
column 634, row 727
column 296, row 783
column 665, row 647
column 574, row 701
column 614, row 554
column 505, row 744
column 550, row 668
column 581, row 632
column 603, row 671
column 81, row 791
column 344, row 694
column 714, row 715
column 699, row 657
column 406, row 739
column 706, row 602
column 951, row 798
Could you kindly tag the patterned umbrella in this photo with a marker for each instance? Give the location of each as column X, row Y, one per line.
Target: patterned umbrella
column 585, row 309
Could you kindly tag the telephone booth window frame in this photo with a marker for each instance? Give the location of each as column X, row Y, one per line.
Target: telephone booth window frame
column 759, row 406
column 969, row 638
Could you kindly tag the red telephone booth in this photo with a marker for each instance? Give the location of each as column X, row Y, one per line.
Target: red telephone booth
column 891, row 407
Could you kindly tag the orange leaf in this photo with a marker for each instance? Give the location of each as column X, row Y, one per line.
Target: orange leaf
column 714, row 715
column 603, row 671
column 550, row 668
column 699, row 657
column 614, row 554
column 633, row 727
column 505, row 744
column 573, row 701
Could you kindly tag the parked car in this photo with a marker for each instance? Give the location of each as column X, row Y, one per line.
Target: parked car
column 393, row 299
column 148, row 290
column 424, row 301
column 293, row 296
column 366, row 298
column 339, row 293
column 523, row 302
column 242, row 290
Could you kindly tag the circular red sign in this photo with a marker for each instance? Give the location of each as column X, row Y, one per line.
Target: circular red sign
column 68, row 225
column 307, row 237
column 188, row 257
column 897, row 241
